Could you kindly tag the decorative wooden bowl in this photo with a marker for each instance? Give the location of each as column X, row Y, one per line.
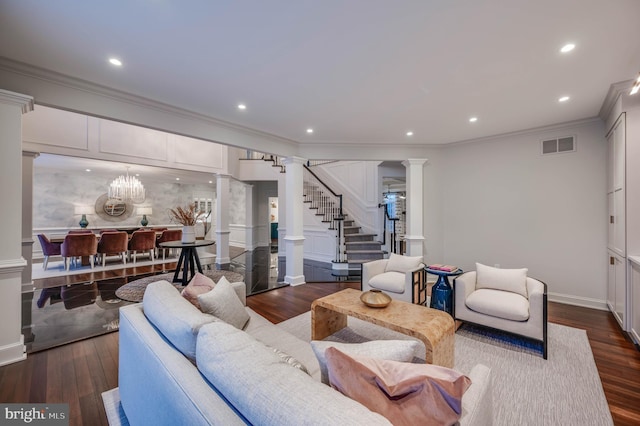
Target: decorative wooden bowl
column 375, row 298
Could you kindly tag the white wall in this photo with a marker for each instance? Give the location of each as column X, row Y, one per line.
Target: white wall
column 55, row 193
column 357, row 181
column 504, row 203
column 61, row 132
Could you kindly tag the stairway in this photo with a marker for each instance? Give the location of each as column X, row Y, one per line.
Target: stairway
column 358, row 246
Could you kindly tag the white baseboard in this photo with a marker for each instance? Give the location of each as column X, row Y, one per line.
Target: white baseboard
column 13, row 352
column 586, row 302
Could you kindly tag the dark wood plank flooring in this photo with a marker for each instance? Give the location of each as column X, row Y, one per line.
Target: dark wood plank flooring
column 79, row 372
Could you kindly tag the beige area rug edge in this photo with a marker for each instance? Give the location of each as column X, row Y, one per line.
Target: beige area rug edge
column 527, row 390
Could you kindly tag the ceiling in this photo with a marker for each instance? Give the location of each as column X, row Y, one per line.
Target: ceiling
column 356, row 71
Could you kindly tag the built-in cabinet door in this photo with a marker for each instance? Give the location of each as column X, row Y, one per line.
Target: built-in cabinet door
column 619, row 153
column 611, row 218
column 619, row 221
column 634, row 282
column 611, row 282
column 616, row 287
column 616, row 188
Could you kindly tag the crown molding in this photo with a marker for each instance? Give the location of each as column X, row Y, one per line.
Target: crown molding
column 12, row 98
column 550, row 128
column 615, row 90
column 54, row 79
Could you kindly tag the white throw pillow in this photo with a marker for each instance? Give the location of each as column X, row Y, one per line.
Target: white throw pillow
column 393, row 350
column 513, row 280
column 223, row 302
column 402, row 264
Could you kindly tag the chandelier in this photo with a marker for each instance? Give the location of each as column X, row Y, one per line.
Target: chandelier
column 127, row 188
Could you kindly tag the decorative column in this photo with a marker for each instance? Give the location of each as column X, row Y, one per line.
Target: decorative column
column 415, row 201
column 12, row 106
column 222, row 222
column 250, row 218
column 294, row 238
column 27, row 242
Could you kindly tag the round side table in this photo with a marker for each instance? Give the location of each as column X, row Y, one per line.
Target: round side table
column 441, row 292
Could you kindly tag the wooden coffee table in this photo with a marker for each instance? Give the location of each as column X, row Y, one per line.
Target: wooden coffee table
column 433, row 327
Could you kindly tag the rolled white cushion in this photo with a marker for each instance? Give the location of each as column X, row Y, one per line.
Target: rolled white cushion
column 513, row 280
column 392, row 350
column 174, row 316
column 268, row 391
column 402, row 264
column 388, row 281
column 500, row 304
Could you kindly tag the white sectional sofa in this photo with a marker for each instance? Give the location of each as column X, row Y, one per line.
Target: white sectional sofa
column 178, row 365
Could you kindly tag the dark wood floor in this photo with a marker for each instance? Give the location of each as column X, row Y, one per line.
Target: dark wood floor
column 78, row 373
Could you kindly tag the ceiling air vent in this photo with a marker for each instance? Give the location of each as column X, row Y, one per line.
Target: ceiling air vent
column 555, row 146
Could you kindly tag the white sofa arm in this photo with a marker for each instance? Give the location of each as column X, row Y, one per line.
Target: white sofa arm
column 241, row 291
column 477, row 401
column 463, row 286
column 537, row 298
column 370, row 270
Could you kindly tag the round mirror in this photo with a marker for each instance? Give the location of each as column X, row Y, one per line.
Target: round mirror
column 114, row 207
column 113, row 210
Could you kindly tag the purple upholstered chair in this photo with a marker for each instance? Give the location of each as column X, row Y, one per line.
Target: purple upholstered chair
column 142, row 241
column 113, row 243
column 48, row 249
column 75, row 245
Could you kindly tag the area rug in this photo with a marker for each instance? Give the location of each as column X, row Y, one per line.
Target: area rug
column 527, row 390
column 134, row 291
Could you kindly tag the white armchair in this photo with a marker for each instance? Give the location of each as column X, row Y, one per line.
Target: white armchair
column 402, row 277
column 503, row 299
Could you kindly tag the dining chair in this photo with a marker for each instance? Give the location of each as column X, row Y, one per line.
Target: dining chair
column 144, row 242
column 78, row 245
column 48, row 249
column 113, row 243
column 167, row 235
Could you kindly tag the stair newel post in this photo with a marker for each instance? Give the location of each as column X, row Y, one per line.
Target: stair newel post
column 341, row 245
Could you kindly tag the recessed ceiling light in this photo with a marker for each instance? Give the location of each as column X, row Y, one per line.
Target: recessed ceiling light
column 409, row 133
column 210, row 181
column 567, row 48
column 177, row 178
column 563, row 99
column 309, row 130
column 115, row 61
column 87, row 170
column 473, row 119
column 242, row 106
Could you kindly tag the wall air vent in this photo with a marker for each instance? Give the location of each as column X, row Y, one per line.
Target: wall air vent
column 559, row 145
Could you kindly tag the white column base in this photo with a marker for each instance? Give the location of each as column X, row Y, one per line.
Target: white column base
column 414, row 245
column 222, row 249
column 13, row 352
column 294, row 248
column 294, row 281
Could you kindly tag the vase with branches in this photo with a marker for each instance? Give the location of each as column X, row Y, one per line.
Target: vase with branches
column 187, row 216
